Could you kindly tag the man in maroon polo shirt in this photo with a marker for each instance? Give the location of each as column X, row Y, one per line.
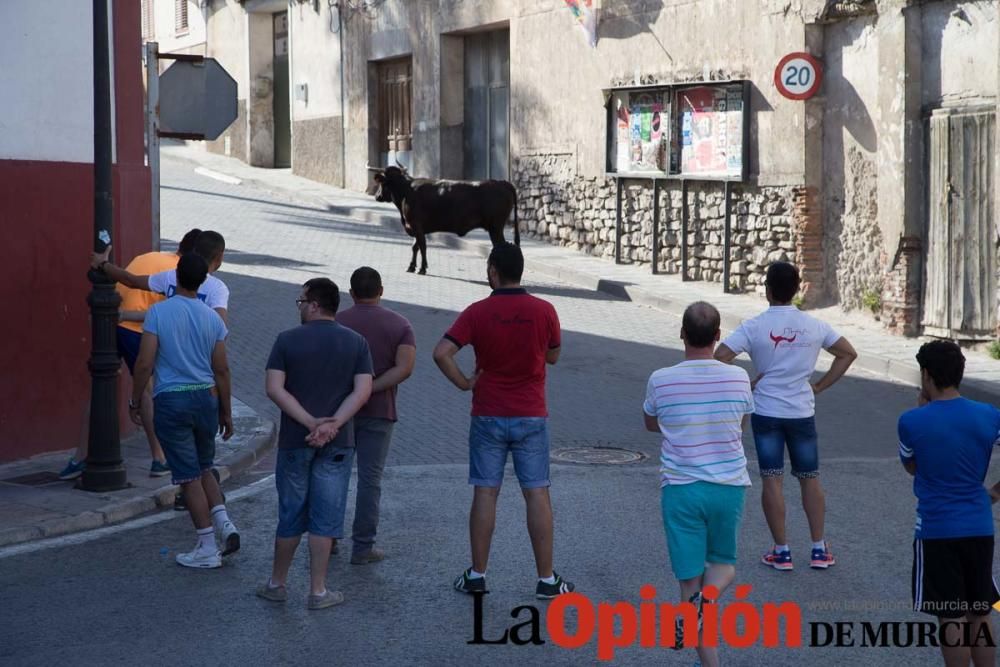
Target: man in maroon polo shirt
column 514, row 335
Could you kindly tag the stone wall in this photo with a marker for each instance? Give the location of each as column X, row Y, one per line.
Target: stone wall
column 558, row 206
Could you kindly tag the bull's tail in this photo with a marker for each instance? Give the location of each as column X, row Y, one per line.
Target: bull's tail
column 517, row 232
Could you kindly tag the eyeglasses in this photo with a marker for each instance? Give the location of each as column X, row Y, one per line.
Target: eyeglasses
column 299, row 302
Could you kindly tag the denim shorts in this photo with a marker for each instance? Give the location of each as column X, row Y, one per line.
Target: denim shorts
column 701, row 521
column 527, row 440
column 186, row 422
column 772, row 434
column 312, row 490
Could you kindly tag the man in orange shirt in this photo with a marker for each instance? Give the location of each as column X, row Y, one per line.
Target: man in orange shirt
column 135, row 303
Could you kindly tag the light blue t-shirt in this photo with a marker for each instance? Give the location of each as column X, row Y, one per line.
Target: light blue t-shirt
column 187, row 330
column 951, row 442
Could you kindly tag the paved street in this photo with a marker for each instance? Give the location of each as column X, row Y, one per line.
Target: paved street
column 120, row 599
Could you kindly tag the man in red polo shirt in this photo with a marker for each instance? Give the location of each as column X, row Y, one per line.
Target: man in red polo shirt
column 514, row 335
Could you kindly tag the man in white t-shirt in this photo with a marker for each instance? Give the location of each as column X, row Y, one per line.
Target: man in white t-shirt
column 210, row 246
column 699, row 407
column 784, row 344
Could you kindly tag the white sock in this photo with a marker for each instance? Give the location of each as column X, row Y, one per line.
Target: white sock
column 476, row 575
column 820, row 545
column 551, row 579
column 206, row 540
column 219, row 516
column 778, row 548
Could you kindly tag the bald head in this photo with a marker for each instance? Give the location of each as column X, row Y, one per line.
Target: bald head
column 700, row 326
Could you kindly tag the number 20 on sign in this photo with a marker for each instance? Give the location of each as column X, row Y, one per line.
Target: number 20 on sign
column 798, row 76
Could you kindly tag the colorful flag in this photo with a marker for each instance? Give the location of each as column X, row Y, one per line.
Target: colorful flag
column 586, row 14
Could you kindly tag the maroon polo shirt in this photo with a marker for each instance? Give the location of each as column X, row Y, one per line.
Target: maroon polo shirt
column 510, row 332
column 385, row 331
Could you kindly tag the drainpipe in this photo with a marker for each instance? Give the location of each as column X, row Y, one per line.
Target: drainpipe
column 343, row 103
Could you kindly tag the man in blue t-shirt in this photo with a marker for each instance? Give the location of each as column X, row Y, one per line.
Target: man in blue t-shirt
column 946, row 445
column 184, row 342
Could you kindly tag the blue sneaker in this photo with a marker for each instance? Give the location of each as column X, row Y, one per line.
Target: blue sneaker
column 822, row 558
column 158, row 469
column 779, row 560
column 73, row 469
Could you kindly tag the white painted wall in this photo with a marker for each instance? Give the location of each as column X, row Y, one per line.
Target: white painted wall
column 960, row 52
column 314, row 61
column 192, row 40
column 46, row 81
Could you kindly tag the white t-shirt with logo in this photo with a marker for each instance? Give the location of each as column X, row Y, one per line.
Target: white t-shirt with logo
column 213, row 291
column 784, row 344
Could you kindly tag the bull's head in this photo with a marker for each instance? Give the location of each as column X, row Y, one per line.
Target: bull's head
column 389, row 181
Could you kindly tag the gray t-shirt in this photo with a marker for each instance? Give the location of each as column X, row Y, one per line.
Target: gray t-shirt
column 319, row 359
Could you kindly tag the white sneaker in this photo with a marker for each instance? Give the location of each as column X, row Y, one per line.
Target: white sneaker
column 200, row 559
column 229, row 537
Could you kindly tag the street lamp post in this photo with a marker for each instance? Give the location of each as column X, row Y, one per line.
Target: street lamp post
column 104, row 471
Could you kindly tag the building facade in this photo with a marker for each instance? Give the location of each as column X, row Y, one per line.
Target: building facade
column 882, row 186
column 47, row 209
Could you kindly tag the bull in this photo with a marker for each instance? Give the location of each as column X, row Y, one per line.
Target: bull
column 428, row 206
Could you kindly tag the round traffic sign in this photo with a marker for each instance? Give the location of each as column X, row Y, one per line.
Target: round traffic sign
column 798, row 76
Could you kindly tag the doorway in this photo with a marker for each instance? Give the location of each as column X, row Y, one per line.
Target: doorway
column 282, row 105
column 486, row 127
column 395, row 127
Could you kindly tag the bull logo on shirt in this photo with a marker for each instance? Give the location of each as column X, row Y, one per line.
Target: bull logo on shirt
column 785, row 337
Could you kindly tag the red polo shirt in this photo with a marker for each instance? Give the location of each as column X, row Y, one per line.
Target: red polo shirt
column 510, row 332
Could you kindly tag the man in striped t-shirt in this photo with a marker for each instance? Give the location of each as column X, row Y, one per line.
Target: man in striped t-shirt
column 699, row 407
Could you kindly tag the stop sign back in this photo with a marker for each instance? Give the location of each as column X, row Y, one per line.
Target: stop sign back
column 197, row 98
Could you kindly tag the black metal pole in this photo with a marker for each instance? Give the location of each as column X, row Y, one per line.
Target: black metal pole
column 618, row 221
column 105, row 471
column 727, row 241
column 656, row 226
column 684, row 230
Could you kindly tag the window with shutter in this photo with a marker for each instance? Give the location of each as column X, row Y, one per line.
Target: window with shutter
column 180, row 15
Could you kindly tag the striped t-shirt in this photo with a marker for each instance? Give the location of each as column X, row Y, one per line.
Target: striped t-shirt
column 699, row 405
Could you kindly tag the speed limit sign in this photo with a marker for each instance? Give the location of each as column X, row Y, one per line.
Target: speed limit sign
column 798, row 76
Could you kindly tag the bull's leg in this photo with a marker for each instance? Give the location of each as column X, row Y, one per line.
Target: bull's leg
column 422, row 241
column 413, row 261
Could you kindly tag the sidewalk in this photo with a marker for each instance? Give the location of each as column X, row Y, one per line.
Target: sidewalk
column 879, row 352
column 34, row 503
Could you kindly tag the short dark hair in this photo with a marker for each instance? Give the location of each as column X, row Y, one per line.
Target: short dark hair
column 187, row 243
column 508, row 261
column 944, row 362
column 365, row 282
column 210, row 245
column 783, row 279
column 192, row 269
column 700, row 324
column 324, row 293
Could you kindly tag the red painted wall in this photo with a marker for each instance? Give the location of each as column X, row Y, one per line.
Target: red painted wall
column 47, row 213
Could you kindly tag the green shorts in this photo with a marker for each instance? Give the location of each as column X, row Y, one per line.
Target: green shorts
column 701, row 521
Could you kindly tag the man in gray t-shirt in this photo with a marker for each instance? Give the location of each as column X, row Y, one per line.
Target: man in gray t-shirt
column 319, row 374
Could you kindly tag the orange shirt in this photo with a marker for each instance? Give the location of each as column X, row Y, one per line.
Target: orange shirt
column 140, row 299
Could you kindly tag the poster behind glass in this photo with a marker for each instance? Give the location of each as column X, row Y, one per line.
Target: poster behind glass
column 642, row 131
column 711, row 131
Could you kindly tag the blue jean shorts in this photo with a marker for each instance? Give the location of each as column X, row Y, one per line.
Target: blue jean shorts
column 312, row 490
column 772, row 434
column 186, row 422
column 527, row 440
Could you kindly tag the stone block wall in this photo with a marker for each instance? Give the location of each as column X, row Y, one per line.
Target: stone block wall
column 901, row 290
column 768, row 223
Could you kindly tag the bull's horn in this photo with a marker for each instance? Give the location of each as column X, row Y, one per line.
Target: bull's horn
column 399, row 164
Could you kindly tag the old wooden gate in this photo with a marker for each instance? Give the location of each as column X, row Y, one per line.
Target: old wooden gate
column 395, row 112
column 960, row 280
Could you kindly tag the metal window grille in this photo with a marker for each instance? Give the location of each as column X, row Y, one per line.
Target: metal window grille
column 180, row 15
column 147, row 19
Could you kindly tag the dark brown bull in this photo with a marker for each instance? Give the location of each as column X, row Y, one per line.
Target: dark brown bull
column 429, row 206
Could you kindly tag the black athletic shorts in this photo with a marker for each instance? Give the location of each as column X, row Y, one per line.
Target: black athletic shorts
column 953, row 577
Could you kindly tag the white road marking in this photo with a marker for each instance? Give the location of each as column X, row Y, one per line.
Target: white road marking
column 259, row 486
column 217, row 175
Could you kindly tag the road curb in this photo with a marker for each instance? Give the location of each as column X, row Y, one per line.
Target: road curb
column 261, row 435
column 904, row 372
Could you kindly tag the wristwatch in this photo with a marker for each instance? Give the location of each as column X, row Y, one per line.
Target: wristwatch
column 100, row 267
column 132, row 405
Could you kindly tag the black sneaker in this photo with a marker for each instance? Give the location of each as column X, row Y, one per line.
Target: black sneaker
column 181, row 506
column 467, row 584
column 546, row 591
column 698, row 600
